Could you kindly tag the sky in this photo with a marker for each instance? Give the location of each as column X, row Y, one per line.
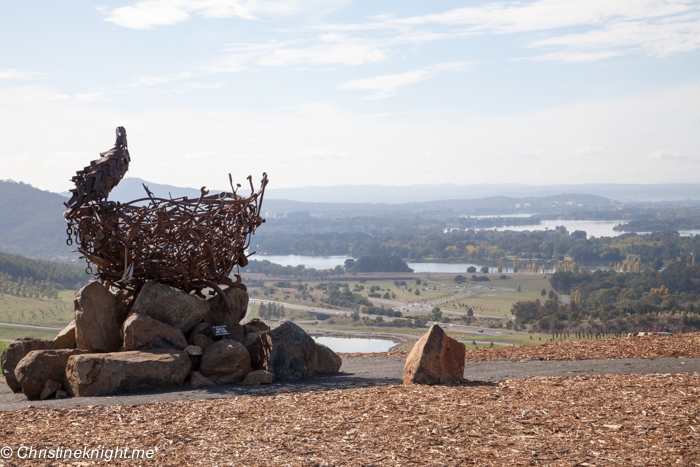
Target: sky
column 331, row 92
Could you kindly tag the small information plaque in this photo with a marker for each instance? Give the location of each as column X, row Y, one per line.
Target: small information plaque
column 221, row 330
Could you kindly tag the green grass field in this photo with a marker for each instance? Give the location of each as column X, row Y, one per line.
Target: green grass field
column 254, row 311
column 8, row 333
column 498, row 302
column 484, row 301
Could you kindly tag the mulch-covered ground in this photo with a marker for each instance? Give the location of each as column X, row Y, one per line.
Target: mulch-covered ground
column 582, row 420
column 678, row 345
column 594, row 420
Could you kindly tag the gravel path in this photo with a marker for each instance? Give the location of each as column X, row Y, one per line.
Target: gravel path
column 368, row 372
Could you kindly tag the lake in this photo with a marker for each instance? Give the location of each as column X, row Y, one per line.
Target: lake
column 592, row 228
column 355, row 344
column 329, row 262
column 318, row 262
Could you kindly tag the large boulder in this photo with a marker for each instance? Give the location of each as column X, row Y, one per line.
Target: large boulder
column 15, row 352
column 328, row 361
column 112, row 373
column 435, row 359
column 170, row 305
column 198, row 380
column 40, row 366
column 250, row 337
column 256, row 325
column 293, row 354
column 66, row 338
column 50, row 388
column 258, row 377
column 201, row 335
column 143, row 332
column 218, row 316
column 124, row 298
column 259, row 347
column 97, row 320
column 225, row 361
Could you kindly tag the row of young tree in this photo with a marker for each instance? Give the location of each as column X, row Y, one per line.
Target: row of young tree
column 271, row 310
column 27, row 287
column 622, row 302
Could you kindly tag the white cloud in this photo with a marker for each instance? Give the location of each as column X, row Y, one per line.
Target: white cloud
column 655, row 39
column 100, row 95
column 667, row 155
column 540, row 15
column 588, row 150
column 153, row 80
column 329, row 49
column 656, row 28
column 149, row 13
column 10, row 73
column 386, row 85
column 574, row 56
column 324, row 49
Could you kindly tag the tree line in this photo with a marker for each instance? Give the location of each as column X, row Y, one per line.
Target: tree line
column 66, row 275
column 487, row 245
column 621, row 302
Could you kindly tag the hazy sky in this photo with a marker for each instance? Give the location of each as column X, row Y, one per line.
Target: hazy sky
column 326, row 92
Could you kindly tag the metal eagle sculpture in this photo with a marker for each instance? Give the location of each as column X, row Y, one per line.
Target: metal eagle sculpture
column 190, row 244
column 97, row 180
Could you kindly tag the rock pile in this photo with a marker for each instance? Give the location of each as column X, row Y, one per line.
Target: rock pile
column 162, row 338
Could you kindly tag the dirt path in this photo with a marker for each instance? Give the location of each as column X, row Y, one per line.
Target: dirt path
column 29, row 326
column 363, row 372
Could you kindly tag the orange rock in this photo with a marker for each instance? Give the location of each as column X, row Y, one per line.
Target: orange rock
column 435, row 359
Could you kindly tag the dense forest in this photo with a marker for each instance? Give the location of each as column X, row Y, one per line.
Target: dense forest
column 606, row 301
column 64, row 274
column 650, row 220
column 33, row 278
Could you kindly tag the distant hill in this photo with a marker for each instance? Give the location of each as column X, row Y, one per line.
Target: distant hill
column 31, row 222
column 130, row 189
column 418, row 193
column 322, row 201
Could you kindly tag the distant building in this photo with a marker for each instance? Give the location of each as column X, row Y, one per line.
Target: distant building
column 517, row 206
column 298, row 215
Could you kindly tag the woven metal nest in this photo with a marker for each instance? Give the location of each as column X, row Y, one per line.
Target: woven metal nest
column 187, row 243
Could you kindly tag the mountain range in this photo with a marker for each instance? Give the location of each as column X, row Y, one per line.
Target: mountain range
column 31, row 221
column 131, row 188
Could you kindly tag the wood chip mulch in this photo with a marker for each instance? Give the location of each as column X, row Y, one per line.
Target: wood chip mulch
column 679, row 345
column 583, row 420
